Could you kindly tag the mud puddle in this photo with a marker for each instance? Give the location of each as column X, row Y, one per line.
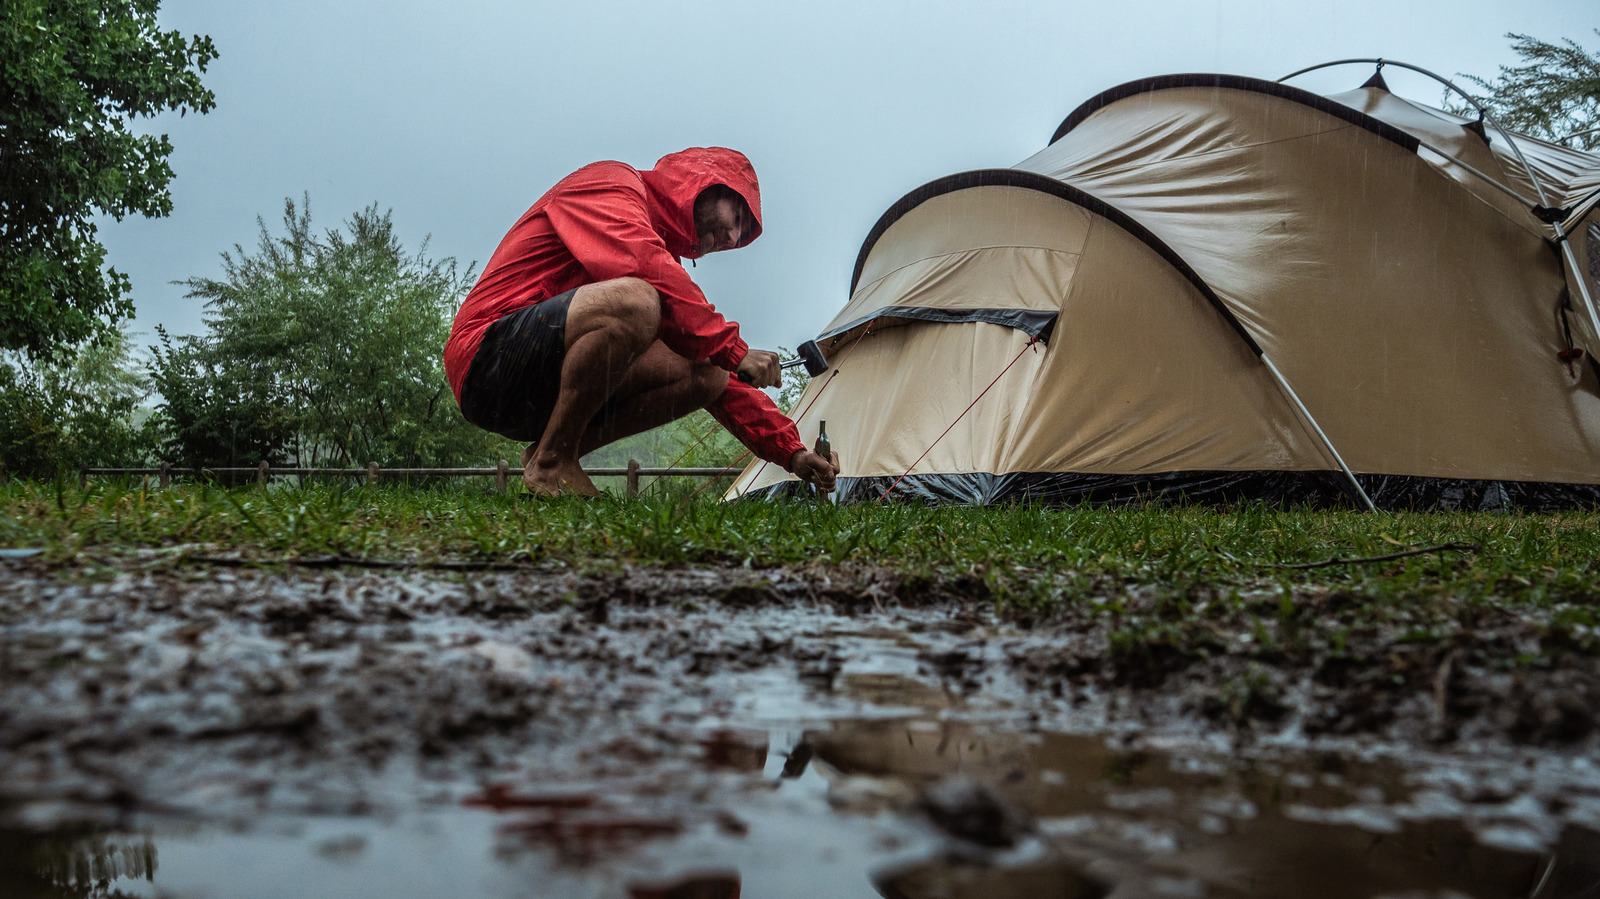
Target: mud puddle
column 173, row 732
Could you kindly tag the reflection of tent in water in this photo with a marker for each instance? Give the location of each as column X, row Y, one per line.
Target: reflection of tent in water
column 1238, row 289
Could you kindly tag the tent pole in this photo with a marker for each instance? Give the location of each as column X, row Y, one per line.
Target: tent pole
column 1483, row 114
column 1486, row 178
column 1561, row 239
column 1328, row 444
column 1577, row 275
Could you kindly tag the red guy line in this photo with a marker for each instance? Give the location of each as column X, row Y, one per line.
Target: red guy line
column 867, row 329
column 1025, row 348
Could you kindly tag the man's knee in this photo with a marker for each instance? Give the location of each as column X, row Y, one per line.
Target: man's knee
column 624, row 306
column 635, row 300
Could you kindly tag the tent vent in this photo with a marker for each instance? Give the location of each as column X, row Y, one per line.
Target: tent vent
column 1477, row 128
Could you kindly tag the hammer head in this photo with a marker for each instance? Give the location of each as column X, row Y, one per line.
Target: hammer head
column 811, row 355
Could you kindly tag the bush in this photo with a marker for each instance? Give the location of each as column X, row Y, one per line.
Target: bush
column 80, row 410
column 322, row 351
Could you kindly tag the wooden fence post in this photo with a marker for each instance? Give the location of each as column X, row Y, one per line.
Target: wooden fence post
column 261, row 472
column 633, row 477
column 166, row 475
column 83, row 476
column 502, row 479
column 372, row 474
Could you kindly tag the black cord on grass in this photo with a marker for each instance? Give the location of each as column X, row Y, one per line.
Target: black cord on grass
column 1443, row 547
column 354, row 562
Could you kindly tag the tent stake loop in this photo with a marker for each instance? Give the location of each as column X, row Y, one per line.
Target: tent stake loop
column 1327, row 444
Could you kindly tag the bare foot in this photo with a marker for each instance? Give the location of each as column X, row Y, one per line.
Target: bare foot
column 557, row 479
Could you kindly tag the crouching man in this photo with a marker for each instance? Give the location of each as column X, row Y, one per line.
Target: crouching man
column 584, row 327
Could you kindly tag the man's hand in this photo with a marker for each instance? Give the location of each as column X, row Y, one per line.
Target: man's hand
column 760, row 367
column 813, row 469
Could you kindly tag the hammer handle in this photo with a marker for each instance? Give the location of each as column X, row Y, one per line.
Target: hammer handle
column 790, row 364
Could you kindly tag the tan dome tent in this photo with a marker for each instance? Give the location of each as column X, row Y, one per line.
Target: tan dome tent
column 1224, row 288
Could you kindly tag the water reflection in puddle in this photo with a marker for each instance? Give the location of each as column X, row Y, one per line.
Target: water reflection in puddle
column 1090, row 818
column 918, row 797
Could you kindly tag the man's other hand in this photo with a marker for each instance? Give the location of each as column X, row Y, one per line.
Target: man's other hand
column 760, row 367
column 813, row 469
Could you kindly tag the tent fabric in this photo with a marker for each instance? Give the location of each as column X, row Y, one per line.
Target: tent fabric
column 1231, row 83
column 1419, row 325
column 1565, row 175
column 1028, row 244
column 1123, row 302
column 1194, row 233
column 1448, row 145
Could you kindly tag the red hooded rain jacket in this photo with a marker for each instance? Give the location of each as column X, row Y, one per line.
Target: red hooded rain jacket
column 609, row 220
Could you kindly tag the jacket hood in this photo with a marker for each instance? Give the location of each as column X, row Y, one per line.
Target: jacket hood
column 680, row 177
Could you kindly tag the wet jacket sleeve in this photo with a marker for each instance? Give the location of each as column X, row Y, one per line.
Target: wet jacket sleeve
column 605, row 224
column 751, row 416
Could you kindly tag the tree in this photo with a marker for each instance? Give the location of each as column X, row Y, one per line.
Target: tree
column 82, row 410
column 324, row 349
column 1553, row 94
column 216, row 412
column 77, row 72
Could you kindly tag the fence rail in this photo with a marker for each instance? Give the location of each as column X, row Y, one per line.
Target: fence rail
column 373, row 473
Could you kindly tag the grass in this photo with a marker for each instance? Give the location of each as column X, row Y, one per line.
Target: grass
column 1017, row 550
column 1149, row 590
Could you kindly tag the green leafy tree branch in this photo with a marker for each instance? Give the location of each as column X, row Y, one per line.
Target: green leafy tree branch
column 77, row 73
column 1553, row 93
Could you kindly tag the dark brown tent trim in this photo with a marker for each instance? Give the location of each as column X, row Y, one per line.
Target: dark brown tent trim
column 1281, row 489
column 1032, row 322
column 1237, row 82
column 1044, row 184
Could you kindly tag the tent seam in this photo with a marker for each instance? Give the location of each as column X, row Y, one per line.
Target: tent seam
column 1265, row 143
column 880, row 278
column 1217, row 81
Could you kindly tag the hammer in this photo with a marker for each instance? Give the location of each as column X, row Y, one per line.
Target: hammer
column 810, row 356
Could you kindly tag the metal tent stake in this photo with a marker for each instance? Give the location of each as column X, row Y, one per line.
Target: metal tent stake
column 1328, row 444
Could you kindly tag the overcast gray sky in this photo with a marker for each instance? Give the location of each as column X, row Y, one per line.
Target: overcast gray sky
column 458, row 116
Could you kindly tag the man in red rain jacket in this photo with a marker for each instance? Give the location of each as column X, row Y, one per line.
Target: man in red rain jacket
column 584, row 328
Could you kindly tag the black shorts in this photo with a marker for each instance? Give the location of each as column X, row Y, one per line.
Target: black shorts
column 515, row 376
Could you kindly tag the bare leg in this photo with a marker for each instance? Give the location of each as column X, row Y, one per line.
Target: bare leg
column 609, row 326
column 660, row 387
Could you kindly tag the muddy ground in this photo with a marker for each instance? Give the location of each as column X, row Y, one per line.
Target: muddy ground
column 627, row 731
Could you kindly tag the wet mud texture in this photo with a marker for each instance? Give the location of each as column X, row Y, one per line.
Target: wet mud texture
column 291, row 683
column 966, row 751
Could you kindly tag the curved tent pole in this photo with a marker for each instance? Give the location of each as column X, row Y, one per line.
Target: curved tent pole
column 1306, row 413
column 1483, row 176
column 1483, row 114
column 1215, row 81
column 1563, row 140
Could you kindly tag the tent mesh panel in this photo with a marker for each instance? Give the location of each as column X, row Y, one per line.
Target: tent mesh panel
column 1275, row 488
